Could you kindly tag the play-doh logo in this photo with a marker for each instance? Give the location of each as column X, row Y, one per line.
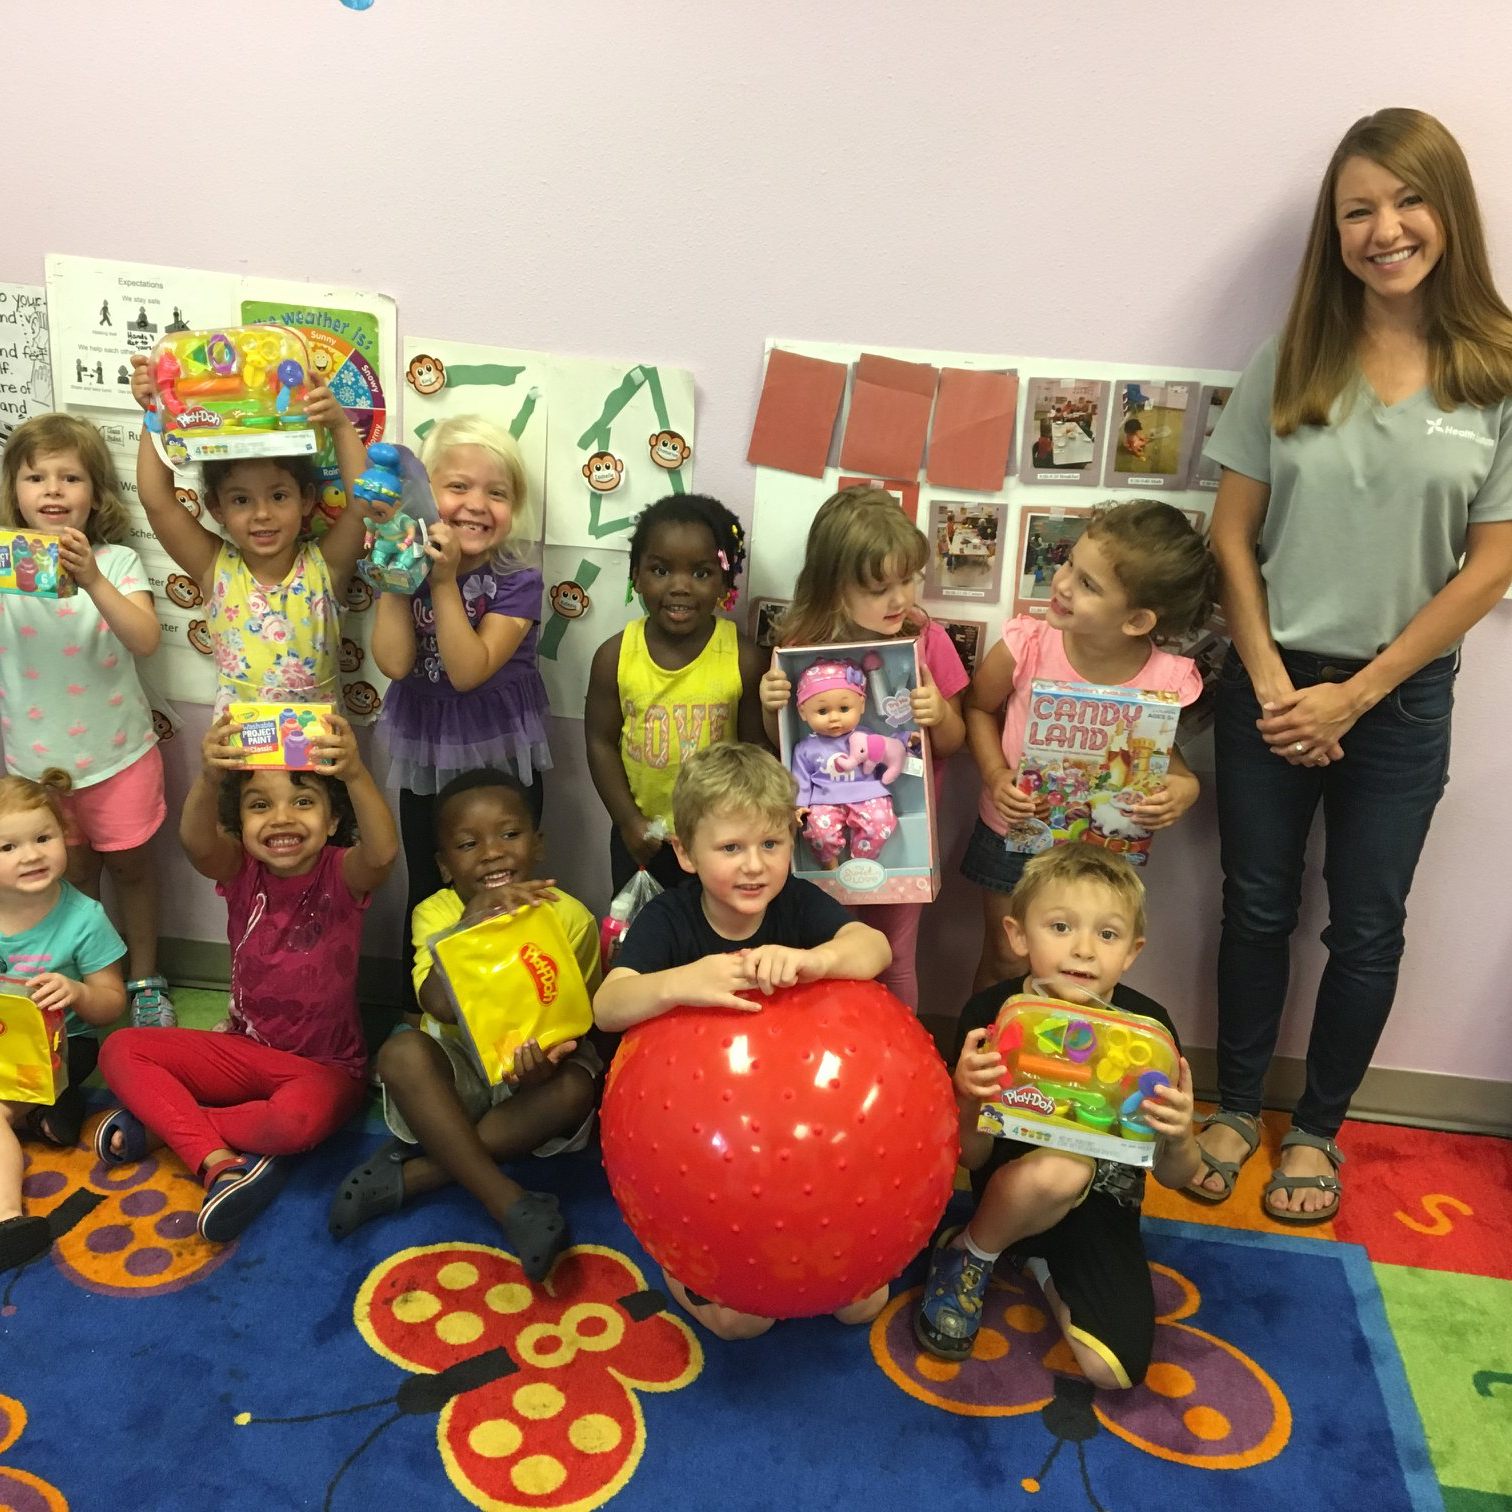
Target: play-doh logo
column 543, row 972
column 199, row 418
column 1030, row 1099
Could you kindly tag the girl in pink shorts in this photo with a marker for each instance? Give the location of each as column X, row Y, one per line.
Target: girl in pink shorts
column 69, row 692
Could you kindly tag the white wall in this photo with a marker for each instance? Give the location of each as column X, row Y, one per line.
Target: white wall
column 681, row 180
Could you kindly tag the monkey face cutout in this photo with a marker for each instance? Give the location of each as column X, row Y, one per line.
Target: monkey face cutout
column 352, row 655
column 569, row 600
column 183, row 591
column 358, row 595
column 426, row 375
column 200, row 638
column 361, row 699
column 604, row 472
column 669, row 450
column 189, row 499
column 162, row 726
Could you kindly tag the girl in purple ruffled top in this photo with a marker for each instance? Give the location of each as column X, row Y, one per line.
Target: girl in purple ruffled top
column 461, row 650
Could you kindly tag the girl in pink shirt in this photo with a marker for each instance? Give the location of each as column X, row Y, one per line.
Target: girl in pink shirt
column 860, row 573
column 296, row 855
column 1139, row 575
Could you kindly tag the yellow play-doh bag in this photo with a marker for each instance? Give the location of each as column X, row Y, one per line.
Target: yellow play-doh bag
column 513, row 978
column 33, row 1061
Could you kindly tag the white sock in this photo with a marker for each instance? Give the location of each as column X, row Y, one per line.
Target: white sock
column 1038, row 1269
column 987, row 1257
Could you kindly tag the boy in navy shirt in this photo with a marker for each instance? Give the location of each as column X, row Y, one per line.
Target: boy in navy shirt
column 742, row 929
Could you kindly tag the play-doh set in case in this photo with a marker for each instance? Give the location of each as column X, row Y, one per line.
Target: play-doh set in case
column 865, row 784
column 512, row 978
column 33, row 1054
column 1076, row 1077
column 29, row 564
column 278, row 735
column 232, row 393
column 1094, row 753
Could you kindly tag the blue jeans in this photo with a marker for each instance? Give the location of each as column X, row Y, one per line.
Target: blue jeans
column 1377, row 805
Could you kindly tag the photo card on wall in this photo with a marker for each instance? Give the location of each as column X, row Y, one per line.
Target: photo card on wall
column 969, row 637
column 1065, row 424
column 765, row 612
column 965, row 560
column 1046, row 537
column 1152, row 426
column 1202, row 473
column 907, row 494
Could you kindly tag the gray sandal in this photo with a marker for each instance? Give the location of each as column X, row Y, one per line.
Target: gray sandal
column 1247, row 1127
column 376, row 1187
column 1286, row 1185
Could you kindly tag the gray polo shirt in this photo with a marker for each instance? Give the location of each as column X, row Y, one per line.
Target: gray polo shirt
column 1367, row 515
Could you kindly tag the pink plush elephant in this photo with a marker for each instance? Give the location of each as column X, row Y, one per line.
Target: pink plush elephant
column 868, row 749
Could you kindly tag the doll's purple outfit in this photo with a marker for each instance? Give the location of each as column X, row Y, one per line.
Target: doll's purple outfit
column 841, row 801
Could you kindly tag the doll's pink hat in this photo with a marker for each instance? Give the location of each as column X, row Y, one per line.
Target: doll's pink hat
column 826, row 676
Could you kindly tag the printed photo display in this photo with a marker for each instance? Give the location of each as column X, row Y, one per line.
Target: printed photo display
column 1204, row 474
column 765, row 612
column 1152, row 431
column 1045, row 541
column 969, row 637
column 964, row 560
column 1064, row 425
column 907, row 494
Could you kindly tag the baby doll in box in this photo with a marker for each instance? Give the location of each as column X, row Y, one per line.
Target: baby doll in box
column 840, row 801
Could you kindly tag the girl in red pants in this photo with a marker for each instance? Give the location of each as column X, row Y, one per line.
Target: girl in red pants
column 296, row 856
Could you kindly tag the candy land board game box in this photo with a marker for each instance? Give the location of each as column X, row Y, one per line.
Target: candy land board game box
column 1093, row 753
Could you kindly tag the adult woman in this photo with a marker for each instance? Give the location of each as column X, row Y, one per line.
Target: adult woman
column 1364, row 454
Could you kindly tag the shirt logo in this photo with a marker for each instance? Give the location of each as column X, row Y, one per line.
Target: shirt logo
column 1436, row 427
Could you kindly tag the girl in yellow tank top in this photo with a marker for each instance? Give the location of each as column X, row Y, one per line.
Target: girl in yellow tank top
column 672, row 683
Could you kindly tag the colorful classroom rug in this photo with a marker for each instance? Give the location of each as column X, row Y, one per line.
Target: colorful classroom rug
column 413, row 1366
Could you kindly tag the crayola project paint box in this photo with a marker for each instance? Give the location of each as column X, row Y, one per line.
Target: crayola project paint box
column 278, row 735
column 29, row 564
column 1094, row 752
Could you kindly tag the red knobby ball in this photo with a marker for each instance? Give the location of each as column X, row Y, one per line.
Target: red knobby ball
column 786, row 1162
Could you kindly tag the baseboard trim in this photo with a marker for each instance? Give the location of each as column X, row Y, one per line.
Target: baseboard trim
column 1426, row 1099
column 207, row 963
column 1459, row 1104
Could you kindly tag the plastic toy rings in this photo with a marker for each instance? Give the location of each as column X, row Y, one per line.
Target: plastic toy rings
column 264, row 350
column 1081, row 1040
column 221, row 354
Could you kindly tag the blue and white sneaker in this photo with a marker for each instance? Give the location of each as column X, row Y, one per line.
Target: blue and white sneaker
column 948, row 1318
column 151, row 1007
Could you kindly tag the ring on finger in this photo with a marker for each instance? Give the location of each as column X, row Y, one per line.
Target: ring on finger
column 1300, row 747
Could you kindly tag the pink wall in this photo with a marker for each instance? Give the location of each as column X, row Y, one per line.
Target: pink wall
column 682, row 180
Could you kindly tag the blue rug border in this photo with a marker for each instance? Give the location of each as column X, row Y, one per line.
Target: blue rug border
column 1370, row 1308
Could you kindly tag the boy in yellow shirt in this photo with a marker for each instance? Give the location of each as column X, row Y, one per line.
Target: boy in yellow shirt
column 448, row 1123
